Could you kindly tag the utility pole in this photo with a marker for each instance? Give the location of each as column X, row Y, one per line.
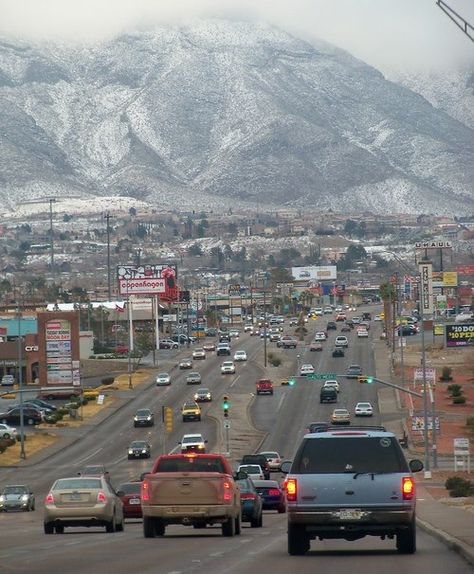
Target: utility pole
column 107, row 218
column 51, row 236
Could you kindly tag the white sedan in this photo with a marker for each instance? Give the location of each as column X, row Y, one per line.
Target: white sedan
column 320, row 336
column 306, row 369
column 240, row 356
column 228, row 368
column 362, row 333
column 363, row 410
column 163, row 379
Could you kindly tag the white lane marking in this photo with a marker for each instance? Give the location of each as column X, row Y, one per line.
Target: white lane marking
column 118, row 460
column 216, row 554
column 280, row 402
column 89, row 455
column 234, row 381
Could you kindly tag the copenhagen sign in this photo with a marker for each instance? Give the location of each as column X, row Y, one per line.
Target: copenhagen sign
column 148, row 280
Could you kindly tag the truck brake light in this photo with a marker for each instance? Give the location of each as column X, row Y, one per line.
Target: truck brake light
column 291, row 490
column 408, row 488
column 145, row 494
column 49, row 498
column 227, row 491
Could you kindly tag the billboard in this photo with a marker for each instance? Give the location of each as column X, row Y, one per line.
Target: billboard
column 444, row 279
column 321, row 273
column 160, row 279
column 426, row 273
column 461, row 335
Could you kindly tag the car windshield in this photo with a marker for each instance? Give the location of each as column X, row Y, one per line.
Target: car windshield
column 190, row 406
column 15, row 490
column 163, row 375
column 130, row 488
column 77, row 483
column 143, row 413
column 251, row 469
column 191, row 464
column 349, row 455
column 139, row 444
column 268, row 455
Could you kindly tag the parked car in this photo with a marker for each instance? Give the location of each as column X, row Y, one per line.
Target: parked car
column 7, row 431
column 51, row 393
column 130, row 495
column 17, row 497
column 194, row 378
column 143, row 418
column 183, row 339
column 42, row 404
column 31, row 416
column 251, row 503
column 8, row 381
column 139, row 449
column 168, row 344
column 82, row 501
column 163, row 379
column 272, row 495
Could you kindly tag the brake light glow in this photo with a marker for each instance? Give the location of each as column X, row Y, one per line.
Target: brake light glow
column 247, row 496
column 408, row 488
column 49, row 498
column 291, row 490
column 227, row 492
column 101, row 497
column 145, row 495
column 273, row 492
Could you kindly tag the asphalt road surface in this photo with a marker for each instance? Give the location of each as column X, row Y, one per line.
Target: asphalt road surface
column 284, row 416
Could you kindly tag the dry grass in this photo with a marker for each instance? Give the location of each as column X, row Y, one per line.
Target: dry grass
column 34, row 443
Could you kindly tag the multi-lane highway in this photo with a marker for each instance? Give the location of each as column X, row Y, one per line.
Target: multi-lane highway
column 284, row 416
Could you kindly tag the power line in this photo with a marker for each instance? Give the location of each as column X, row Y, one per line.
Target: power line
column 460, row 22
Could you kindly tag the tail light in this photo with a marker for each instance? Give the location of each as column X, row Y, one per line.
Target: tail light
column 247, row 496
column 101, row 497
column 273, row 492
column 408, row 488
column 49, row 498
column 227, row 492
column 291, row 490
column 145, row 495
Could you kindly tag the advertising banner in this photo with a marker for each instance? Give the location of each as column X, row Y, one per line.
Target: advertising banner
column 461, row 335
column 426, row 273
column 159, row 279
column 318, row 273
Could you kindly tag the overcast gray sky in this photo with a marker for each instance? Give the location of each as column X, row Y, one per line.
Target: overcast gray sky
column 389, row 34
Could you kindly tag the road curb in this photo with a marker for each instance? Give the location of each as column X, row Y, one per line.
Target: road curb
column 453, row 543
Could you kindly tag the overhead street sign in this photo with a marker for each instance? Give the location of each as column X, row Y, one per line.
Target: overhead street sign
column 322, row 376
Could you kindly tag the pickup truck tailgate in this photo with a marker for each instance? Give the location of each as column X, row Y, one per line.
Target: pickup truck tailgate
column 178, row 488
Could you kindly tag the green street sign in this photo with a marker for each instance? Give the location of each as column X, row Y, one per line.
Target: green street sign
column 322, row 376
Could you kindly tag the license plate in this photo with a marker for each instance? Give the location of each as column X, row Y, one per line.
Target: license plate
column 75, row 496
column 134, row 501
column 350, row 514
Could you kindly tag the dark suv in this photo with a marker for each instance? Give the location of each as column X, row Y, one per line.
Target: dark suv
column 350, row 485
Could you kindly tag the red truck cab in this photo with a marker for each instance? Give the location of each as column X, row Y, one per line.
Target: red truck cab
column 264, row 386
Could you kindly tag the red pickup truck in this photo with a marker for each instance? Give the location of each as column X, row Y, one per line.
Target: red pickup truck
column 192, row 490
column 264, row 387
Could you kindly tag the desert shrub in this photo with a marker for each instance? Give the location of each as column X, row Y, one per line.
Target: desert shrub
column 455, row 390
column 108, row 380
column 446, row 374
column 453, row 482
column 275, row 361
column 459, row 400
column 462, row 487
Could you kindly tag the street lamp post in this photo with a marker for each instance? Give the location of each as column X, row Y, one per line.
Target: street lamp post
column 20, row 387
column 107, row 218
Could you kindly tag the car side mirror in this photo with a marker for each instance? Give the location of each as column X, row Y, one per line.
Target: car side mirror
column 143, row 475
column 241, row 475
column 120, row 493
column 286, row 466
column 206, row 441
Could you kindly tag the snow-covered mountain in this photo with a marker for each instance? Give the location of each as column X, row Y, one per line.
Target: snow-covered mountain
column 218, row 114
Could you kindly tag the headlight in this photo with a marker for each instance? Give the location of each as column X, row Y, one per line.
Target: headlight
column 144, row 451
column 135, row 418
column 24, row 497
column 130, row 451
column 2, row 498
column 148, row 418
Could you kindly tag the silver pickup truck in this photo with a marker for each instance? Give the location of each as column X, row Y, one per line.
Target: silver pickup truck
column 347, row 484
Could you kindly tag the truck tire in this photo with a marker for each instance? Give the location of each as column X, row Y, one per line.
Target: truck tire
column 149, row 527
column 48, row 528
column 406, row 540
column 238, row 528
column 228, row 527
column 111, row 526
column 298, row 541
column 159, row 527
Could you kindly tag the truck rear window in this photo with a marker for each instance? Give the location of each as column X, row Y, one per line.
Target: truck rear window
column 191, row 464
column 327, row 455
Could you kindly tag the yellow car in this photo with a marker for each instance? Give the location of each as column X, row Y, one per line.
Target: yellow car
column 191, row 411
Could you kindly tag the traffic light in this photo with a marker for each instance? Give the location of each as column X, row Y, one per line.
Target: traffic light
column 366, row 380
column 291, row 382
column 168, row 418
column 225, row 405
